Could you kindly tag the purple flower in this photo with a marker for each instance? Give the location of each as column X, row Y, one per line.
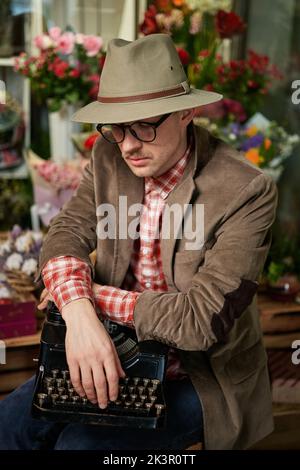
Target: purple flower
column 252, row 142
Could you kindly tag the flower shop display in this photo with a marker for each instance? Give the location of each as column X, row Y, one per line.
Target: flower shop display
column 263, row 142
column 65, row 75
column 202, row 31
column 53, row 184
column 67, row 68
column 19, row 251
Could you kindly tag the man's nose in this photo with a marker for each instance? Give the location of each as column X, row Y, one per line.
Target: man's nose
column 130, row 144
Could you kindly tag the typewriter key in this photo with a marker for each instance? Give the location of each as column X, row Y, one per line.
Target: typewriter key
column 138, row 404
column 126, row 380
column 148, row 406
column 41, row 398
column 153, row 399
column 69, row 384
column 71, row 391
column 145, row 382
column 131, row 389
column 128, row 404
column 84, row 401
column 141, row 389
column 50, row 390
column 150, row 391
column 65, row 374
column 60, row 382
column 75, row 399
column 54, row 373
column 54, row 398
column 143, row 398
column 123, row 396
column 118, row 402
column 159, row 409
column 60, row 391
column 64, row 398
column 121, row 388
column 136, row 380
column 155, row 382
column 49, row 381
column 133, row 397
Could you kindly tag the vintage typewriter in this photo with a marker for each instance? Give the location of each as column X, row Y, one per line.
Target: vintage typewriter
column 140, row 402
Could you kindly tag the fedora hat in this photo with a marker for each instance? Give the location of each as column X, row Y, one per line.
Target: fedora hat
column 142, row 79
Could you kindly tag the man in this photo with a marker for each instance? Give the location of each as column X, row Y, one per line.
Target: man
column 192, row 287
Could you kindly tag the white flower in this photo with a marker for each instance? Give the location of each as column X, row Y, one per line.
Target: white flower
column 14, row 261
column 232, row 136
column 5, row 248
column 177, row 17
column 23, row 242
column 29, row 266
column 195, row 22
column 37, row 236
column 4, row 293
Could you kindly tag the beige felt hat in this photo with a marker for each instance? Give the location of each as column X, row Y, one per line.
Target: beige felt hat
column 142, row 79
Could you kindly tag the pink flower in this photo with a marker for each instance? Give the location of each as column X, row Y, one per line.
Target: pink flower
column 43, row 41
column 65, row 43
column 92, row 45
column 54, row 33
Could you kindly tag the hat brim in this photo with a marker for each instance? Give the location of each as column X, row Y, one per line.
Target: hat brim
column 109, row 113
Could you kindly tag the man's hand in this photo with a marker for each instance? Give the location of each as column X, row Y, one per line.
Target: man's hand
column 93, row 361
column 44, row 299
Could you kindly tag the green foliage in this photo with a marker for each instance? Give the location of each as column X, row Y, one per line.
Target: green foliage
column 15, row 201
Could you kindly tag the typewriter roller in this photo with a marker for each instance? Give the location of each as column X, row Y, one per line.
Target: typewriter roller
column 140, row 402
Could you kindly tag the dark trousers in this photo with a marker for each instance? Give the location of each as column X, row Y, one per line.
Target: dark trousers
column 19, row 431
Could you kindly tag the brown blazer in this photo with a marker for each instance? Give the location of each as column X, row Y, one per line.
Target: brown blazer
column 210, row 311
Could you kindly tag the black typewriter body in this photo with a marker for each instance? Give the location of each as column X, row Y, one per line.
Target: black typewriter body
column 140, row 403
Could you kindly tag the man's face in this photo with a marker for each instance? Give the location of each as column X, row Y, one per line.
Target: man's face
column 157, row 157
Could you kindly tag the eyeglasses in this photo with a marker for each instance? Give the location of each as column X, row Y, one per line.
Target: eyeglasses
column 141, row 130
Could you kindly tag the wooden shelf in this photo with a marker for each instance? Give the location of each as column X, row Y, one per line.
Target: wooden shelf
column 21, row 341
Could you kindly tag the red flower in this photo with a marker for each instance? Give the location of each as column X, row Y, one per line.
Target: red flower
column 74, row 73
column 149, row 26
column 228, row 24
column 89, row 142
column 204, row 53
column 235, row 108
column 184, row 56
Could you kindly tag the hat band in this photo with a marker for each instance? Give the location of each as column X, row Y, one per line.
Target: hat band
column 179, row 90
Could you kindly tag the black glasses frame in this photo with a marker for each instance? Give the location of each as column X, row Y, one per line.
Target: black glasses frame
column 101, row 128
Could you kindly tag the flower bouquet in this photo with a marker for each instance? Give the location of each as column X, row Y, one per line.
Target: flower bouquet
column 53, row 184
column 263, row 142
column 84, row 142
column 67, row 68
column 202, row 31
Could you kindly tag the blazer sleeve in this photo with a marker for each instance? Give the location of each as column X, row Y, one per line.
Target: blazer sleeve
column 223, row 285
column 73, row 231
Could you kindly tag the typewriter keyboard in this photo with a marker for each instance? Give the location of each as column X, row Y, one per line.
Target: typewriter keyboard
column 140, row 402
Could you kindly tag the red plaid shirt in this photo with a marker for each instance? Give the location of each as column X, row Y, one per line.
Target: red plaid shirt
column 68, row 278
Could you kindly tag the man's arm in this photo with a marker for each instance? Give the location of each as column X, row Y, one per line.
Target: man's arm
column 224, row 285
column 91, row 355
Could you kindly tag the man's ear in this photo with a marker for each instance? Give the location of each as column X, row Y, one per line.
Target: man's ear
column 187, row 115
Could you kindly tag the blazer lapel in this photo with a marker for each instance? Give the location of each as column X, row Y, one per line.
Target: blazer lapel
column 182, row 194
column 130, row 191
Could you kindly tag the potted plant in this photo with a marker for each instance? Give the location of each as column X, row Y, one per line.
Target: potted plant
column 283, row 269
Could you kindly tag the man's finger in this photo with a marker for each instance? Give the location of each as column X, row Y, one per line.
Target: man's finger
column 88, row 383
column 100, row 383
